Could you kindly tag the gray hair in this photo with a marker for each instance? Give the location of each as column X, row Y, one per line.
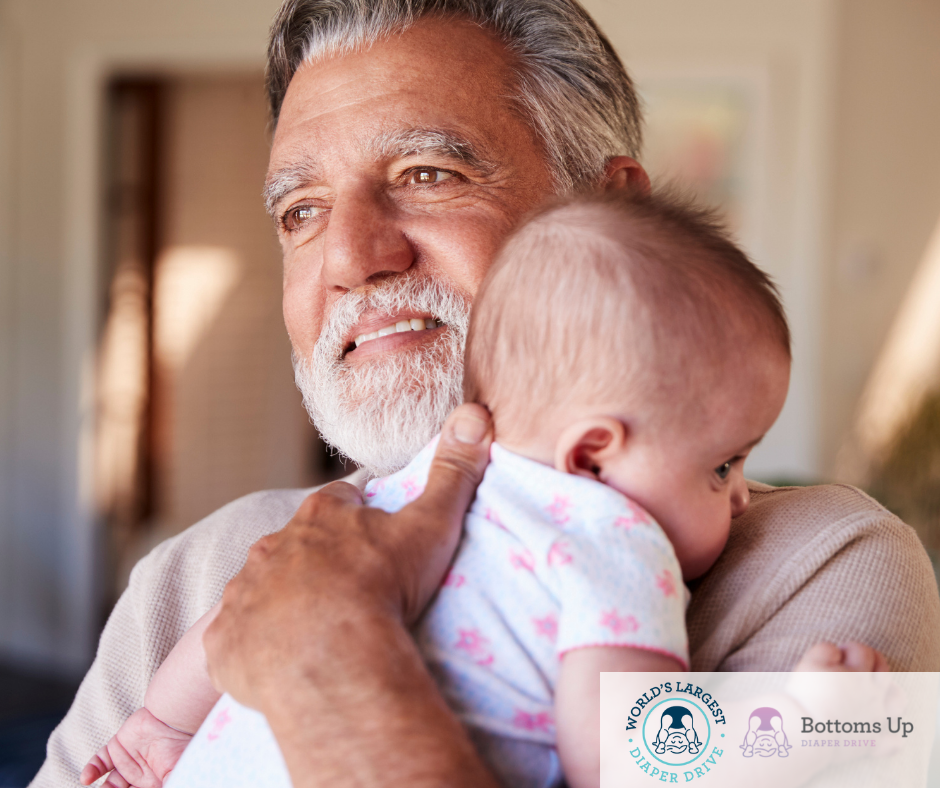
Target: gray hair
column 572, row 87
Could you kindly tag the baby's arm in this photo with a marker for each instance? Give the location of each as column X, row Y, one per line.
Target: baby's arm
column 578, row 703
column 151, row 740
column 181, row 693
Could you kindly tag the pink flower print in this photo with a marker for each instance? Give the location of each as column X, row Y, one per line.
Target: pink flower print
column 666, row 583
column 558, row 509
column 412, row 488
column 547, row 627
column 636, row 516
column 454, row 580
column 558, row 554
column 617, row 623
column 533, row 722
column 374, row 488
column 476, row 645
column 493, row 517
column 222, row 719
column 523, row 560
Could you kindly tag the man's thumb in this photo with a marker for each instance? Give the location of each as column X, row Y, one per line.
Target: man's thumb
column 460, row 460
column 457, row 468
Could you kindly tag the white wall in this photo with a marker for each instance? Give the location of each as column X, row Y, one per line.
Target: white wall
column 786, row 49
column 886, row 196
column 55, row 59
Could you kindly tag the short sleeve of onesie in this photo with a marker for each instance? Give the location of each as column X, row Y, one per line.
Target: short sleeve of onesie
column 606, row 562
column 619, row 582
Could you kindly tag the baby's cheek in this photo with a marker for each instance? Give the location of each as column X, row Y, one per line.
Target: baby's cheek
column 704, row 545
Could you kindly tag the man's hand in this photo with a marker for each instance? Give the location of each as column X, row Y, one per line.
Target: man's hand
column 312, row 631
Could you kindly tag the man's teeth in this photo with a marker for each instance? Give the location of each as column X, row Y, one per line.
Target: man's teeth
column 415, row 324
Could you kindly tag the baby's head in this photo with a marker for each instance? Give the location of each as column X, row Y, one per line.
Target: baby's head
column 627, row 339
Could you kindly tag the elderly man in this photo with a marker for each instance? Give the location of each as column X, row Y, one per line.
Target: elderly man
column 412, row 135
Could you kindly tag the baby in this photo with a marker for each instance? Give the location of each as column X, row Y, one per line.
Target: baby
column 631, row 357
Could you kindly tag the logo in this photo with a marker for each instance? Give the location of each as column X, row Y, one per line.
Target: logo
column 765, row 735
column 677, row 742
column 675, row 729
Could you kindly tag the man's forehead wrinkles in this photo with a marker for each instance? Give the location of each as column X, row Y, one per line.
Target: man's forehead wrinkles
column 414, row 141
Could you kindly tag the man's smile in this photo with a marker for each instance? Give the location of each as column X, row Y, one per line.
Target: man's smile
column 381, row 333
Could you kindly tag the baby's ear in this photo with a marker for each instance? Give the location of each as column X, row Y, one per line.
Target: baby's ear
column 585, row 446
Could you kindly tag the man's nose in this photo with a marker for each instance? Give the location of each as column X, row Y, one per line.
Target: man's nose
column 363, row 240
column 740, row 497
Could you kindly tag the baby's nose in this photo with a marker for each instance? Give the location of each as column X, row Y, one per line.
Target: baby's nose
column 740, row 498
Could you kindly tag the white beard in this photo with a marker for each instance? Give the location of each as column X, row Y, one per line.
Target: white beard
column 382, row 411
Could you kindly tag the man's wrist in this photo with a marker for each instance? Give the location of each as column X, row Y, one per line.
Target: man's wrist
column 370, row 693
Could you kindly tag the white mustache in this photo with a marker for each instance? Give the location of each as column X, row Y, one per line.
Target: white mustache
column 394, row 295
column 382, row 412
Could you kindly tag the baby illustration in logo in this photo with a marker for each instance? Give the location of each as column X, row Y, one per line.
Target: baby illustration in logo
column 676, row 733
column 765, row 735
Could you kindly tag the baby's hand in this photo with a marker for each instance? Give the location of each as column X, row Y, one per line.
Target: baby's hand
column 850, row 658
column 864, row 690
column 140, row 754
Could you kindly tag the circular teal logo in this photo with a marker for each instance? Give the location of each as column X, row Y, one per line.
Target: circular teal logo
column 676, row 732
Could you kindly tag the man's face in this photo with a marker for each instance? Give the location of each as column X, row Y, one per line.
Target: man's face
column 395, row 173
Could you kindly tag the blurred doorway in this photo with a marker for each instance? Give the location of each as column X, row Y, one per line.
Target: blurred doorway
column 196, row 400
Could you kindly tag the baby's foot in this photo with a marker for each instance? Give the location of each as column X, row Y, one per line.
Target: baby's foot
column 849, row 658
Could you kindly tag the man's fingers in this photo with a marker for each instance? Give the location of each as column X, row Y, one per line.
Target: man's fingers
column 459, row 462
column 345, row 491
column 324, row 501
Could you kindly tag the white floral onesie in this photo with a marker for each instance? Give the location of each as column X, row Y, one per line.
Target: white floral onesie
column 548, row 562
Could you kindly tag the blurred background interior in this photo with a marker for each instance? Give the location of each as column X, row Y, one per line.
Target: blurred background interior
column 145, row 375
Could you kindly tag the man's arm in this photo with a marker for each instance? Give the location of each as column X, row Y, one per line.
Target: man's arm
column 313, row 632
column 813, row 564
column 169, row 589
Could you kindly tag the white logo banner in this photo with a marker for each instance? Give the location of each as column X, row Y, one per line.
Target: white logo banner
column 761, row 730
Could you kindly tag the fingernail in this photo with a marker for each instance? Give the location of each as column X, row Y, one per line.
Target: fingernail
column 468, row 429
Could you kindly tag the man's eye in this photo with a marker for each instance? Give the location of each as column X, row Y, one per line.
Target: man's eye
column 723, row 470
column 295, row 218
column 428, row 175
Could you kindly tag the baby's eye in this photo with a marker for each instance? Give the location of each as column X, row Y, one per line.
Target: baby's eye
column 723, row 470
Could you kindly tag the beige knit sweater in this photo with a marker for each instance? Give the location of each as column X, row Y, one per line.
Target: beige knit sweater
column 802, row 565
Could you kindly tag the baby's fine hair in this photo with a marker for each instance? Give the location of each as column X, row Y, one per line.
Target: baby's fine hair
column 616, row 299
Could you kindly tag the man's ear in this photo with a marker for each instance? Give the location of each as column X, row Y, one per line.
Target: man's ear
column 584, row 447
column 626, row 174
